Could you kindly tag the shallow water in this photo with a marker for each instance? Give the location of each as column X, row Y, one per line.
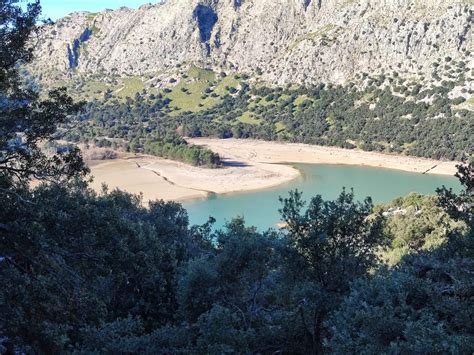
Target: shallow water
column 260, row 208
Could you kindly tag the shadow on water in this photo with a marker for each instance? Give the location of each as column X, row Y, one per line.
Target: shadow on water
column 211, row 195
column 235, row 164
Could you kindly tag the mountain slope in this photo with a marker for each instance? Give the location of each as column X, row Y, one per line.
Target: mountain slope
column 278, row 41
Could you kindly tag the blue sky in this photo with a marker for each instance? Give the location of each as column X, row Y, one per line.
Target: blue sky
column 55, row 9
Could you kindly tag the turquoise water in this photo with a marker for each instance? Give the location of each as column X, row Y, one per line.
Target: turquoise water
column 260, row 208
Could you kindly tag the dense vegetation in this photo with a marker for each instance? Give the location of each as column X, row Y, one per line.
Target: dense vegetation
column 176, row 148
column 136, row 128
column 88, row 273
column 371, row 119
column 387, row 114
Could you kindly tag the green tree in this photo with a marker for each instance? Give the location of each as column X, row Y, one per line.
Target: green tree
column 329, row 245
column 416, row 223
column 73, row 261
column 460, row 206
column 228, row 295
column 27, row 120
column 423, row 305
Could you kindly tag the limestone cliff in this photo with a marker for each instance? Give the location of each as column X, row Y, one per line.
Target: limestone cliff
column 279, row 41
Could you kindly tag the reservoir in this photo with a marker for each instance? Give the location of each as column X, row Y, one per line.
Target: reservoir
column 260, row 208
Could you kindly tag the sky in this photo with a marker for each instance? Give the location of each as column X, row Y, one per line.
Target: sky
column 56, row 9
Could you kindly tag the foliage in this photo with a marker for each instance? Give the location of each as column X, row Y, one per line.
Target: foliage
column 330, row 244
column 83, row 272
column 372, row 118
column 416, row 223
column 460, row 206
column 175, row 148
column 74, row 260
column 115, row 126
column 27, row 120
column 423, row 305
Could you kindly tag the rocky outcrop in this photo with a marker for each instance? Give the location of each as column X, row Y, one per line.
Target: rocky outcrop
column 281, row 41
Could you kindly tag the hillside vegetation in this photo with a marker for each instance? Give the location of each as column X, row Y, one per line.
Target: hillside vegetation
column 381, row 113
column 392, row 76
column 89, row 273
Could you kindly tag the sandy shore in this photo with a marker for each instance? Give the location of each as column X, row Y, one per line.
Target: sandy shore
column 275, row 152
column 125, row 174
column 164, row 179
column 249, row 165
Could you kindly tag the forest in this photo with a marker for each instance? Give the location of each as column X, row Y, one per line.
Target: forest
column 386, row 115
column 369, row 119
column 88, row 273
column 135, row 128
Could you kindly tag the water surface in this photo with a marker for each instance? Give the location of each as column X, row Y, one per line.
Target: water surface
column 260, row 208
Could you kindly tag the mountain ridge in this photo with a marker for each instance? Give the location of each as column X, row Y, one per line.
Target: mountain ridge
column 278, row 42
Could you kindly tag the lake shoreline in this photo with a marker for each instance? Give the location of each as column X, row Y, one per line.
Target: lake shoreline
column 250, row 165
column 288, row 153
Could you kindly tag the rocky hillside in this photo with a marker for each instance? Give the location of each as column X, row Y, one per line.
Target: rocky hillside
column 277, row 41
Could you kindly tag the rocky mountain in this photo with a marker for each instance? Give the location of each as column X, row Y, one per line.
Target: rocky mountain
column 277, row 41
